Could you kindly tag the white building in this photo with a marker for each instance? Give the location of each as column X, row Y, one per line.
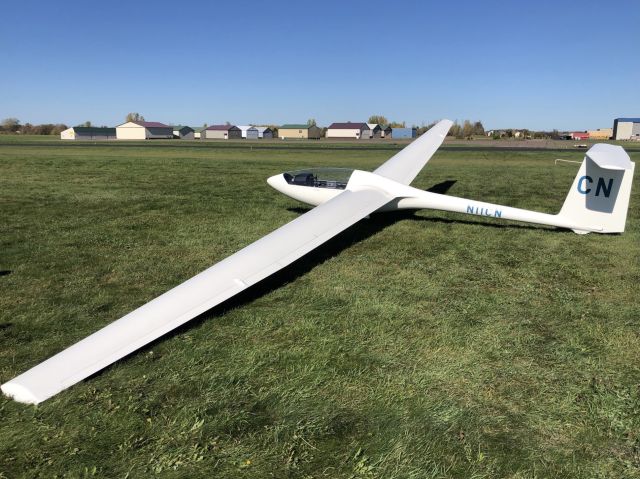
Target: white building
column 143, row 130
column 376, row 131
column 626, row 129
column 249, row 132
column 264, row 132
column 348, row 130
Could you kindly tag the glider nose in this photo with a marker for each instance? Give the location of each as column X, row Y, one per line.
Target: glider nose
column 277, row 182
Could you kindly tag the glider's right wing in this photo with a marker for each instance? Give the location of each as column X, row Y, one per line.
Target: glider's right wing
column 195, row 296
column 405, row 165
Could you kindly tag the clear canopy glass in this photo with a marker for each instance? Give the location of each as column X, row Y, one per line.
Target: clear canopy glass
column 336, row 178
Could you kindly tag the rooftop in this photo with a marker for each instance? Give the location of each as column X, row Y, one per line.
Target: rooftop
column 94, row 129
column 348, row 126
column 220, row 127
column 151, row 124
column 296, row 126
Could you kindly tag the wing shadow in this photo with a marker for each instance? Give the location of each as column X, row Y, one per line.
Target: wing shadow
column 360, row 231
column 442, row 187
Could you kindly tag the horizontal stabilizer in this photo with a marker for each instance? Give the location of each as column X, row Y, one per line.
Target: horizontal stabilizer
column 609, row 157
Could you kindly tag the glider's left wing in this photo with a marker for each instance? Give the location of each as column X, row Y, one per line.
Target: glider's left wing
column 195, row 296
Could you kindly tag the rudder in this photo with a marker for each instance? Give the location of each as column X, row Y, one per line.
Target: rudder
column 599, row 196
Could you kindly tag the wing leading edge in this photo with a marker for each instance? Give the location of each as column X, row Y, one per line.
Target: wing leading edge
column 195, row 296
column 405, row 165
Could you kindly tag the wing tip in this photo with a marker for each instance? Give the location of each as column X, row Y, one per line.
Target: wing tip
column 19, row 393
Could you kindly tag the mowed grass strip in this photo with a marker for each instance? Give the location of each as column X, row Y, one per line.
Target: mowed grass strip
column 423, row 344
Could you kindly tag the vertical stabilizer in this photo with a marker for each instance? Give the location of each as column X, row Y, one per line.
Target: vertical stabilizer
column 599, row 196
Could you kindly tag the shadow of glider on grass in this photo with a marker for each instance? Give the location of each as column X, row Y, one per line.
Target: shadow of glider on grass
column 597, row 202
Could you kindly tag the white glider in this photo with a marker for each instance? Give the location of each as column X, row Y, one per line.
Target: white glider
column 597, row 202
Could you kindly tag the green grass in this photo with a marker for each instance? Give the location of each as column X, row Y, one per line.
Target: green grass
column 424, row 345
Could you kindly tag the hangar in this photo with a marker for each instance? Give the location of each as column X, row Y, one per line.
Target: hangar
column 248, row 132
column 183, row 132
column 197, row 131
column 143, row 130
column 221, row 132
column 403, row 133
column 304, row 131
column 385, row 131
column 600, row 134
column 348, row 130
column 626, row 129
column 264, row 132
column 88, row 133
column 376, row 131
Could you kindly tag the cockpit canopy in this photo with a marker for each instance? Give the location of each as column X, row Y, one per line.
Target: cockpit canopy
column 336, row 178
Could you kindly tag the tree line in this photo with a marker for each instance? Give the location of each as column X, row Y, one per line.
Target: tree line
column 13, row 126
column 466, row 129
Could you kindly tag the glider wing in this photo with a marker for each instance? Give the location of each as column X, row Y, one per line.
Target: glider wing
column 195, row 296
column 405, row 165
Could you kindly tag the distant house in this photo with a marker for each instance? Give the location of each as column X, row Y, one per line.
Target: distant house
column 88, row 133
column 248, row 132
column 264, row 132
column 221, row 132
column 579, row 135
column 299, row 131
column 183, row 132
column 197, row 132
column 626, row 129
column 143, row 130
column 385, row 131
column 600, row 134
column 403, row 133
column 348, row 130
column 376, row 131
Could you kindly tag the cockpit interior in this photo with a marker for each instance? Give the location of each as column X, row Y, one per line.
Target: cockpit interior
column 334, row 178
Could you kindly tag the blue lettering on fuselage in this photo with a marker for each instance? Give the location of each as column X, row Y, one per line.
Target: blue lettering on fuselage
column 585, row 182
column 482, row 211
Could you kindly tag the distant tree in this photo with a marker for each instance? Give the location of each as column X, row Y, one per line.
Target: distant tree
column 311, row 122
column 422, row 129
column 134, row 117
column 227, row 123
column 58, row 128
column 43, row 129
column 379, row 119
column 397, row 124
column 27, row 129
column 455, row 130
column 467, row 129
column 478, row 128
column 11, row 125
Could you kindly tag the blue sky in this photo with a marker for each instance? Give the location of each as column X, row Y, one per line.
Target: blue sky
column 537, row 65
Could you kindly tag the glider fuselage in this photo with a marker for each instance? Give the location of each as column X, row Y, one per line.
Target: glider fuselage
column 312, row 188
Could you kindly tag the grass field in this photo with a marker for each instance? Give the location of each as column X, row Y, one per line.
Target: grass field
column 421, row 345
